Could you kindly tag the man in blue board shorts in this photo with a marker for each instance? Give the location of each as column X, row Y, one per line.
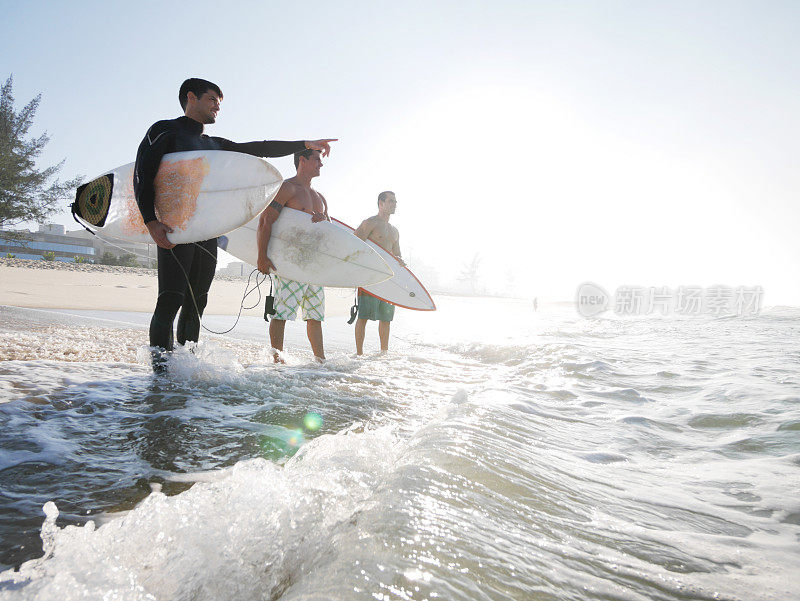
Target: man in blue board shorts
column 295, row 193
column 378, row 229
column 185, row 271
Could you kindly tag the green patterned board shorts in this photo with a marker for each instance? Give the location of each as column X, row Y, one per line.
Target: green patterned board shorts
column 289, row 295
column 372, row 308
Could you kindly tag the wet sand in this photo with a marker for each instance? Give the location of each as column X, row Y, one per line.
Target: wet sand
column 55, row 285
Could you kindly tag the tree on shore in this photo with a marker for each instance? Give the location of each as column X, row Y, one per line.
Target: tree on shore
column 127, row 260
column 26, row 193
column 108, row 258
column 124, row 260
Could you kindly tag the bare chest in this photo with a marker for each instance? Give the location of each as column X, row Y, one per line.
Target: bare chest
column 307, row 200
column 384, row 234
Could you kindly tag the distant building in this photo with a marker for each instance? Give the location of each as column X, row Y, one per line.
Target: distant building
column 65, row 246
column 49, row 238
column 146, row 254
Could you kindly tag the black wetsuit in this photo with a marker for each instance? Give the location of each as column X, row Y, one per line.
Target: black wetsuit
column 199, row 260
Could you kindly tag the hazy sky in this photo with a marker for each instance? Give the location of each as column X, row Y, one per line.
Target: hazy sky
column 640, row 143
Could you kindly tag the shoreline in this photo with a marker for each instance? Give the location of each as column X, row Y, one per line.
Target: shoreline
column 85, row 286
column 32, row 334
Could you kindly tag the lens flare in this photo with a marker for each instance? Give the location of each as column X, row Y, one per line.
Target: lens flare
column 312, row 421
column 296, row 438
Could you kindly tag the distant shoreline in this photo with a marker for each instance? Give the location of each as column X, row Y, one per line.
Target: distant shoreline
column 91, row 267
column 39, row 284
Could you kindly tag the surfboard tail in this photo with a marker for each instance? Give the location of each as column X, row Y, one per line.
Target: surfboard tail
column 403, row 289
column 93, row 199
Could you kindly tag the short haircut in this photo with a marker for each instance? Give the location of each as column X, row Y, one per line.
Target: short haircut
column 198, row 87
column 303, row 153
column 384, row 195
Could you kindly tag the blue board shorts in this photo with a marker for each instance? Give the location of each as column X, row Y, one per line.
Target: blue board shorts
column 289, row 295
column 372, row 308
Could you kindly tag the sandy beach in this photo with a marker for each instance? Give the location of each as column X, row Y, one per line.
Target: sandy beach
column 88, row 289
column 57, row 285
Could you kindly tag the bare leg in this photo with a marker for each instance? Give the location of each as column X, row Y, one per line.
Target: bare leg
column 276, row 328
column 361, row 328
column 314, row 331
column 383, row 333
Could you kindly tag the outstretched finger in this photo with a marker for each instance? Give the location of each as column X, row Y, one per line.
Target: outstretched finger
column 323, row 145
column 328, row 146
column 323, row 148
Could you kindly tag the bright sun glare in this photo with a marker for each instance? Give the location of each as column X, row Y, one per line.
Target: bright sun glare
column 548, row 199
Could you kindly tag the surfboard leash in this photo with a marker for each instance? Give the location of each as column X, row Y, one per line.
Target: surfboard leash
column 247, row 292
column 353, row 310
column 76, row 212
column 269, row 303
column 107, row 241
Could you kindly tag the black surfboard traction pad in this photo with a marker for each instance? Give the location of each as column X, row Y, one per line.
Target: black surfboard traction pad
column 93, row 199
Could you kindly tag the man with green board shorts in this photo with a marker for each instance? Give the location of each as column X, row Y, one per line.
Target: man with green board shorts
column 378, row 229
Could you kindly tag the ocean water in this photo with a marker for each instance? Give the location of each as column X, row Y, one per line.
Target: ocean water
column 494, row 453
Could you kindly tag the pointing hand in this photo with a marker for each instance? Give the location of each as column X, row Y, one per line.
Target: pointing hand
column 322, row 145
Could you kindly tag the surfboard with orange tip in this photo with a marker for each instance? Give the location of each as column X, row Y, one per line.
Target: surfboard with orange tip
column 200, row 194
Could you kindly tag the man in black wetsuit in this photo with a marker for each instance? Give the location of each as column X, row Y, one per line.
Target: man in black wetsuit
column 188, row 265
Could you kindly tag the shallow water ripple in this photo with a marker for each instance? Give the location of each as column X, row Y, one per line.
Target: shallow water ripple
column 567, row 459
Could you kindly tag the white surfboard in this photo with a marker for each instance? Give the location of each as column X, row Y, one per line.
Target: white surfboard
column 200, row 194
column 403, row 289
column 312, row 253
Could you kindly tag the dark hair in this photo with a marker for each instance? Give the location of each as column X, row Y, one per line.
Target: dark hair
column 198, row 87
column 384, row 194
column 303, row 153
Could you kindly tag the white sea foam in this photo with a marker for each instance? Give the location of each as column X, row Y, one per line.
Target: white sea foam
column 250, row 532
column 573, row 459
